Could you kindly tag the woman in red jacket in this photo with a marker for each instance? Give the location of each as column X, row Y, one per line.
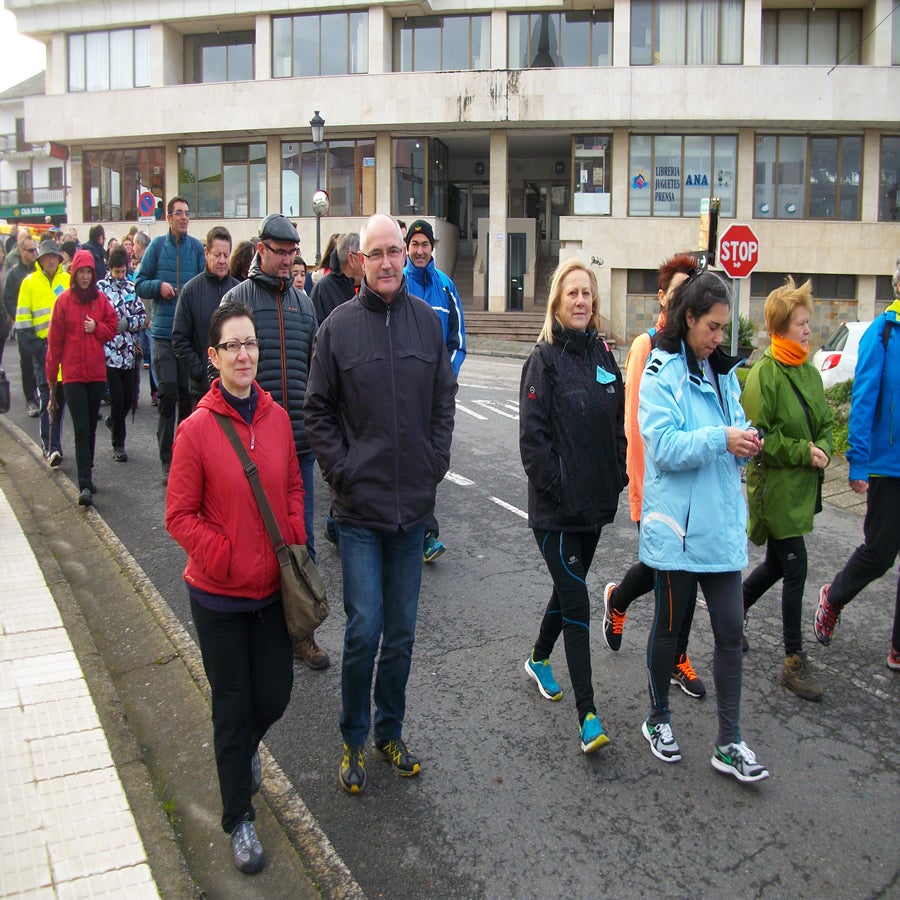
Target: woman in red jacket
column 232, row 574
column 83, row 320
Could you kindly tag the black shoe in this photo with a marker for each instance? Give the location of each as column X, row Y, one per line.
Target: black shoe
column 86, row 498
column 119, row 454
column 108, row 421
column 54, row 459
column 353, row 770
column 402, row 761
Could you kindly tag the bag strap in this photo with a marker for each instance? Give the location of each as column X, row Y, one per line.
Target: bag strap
column 252, row 474
column 804, row 404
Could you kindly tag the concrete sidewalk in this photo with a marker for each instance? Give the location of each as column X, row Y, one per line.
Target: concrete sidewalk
column 109, row 780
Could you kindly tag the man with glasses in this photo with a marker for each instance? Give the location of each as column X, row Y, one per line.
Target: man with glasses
column 285, row 326
column 17, row 274
column 379, row 414
column 169, row 263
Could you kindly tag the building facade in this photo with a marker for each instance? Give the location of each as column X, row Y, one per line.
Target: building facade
column 527, row 133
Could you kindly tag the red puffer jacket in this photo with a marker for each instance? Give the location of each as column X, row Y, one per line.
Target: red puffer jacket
column 80, row 353
column 210, row 507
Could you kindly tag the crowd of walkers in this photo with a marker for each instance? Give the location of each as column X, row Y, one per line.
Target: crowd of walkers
column 353, row 365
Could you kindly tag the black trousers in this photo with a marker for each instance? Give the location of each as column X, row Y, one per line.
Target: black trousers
column 872, row 558
column 83, row 400
column 568, row 556
column 249, row 662
column 121, row 400
column 173, row 395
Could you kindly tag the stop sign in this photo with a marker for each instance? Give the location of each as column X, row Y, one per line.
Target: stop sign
column 738, row 251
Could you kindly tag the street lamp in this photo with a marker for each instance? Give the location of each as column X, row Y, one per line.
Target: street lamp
column 317, row 123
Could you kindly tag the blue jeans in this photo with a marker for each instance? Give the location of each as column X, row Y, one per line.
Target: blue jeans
column 307, row 474
column 382, row 572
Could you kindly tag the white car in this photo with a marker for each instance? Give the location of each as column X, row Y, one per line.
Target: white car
column 836, row 361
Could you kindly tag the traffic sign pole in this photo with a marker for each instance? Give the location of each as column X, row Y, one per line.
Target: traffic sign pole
column 738, row 256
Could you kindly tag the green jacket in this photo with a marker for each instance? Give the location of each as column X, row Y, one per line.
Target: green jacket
column 781, row 489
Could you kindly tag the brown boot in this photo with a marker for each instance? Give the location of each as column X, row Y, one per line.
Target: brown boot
column 311, row 653
column 797, row 676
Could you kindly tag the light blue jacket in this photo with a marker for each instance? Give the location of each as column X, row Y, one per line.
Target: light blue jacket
column 694, row 518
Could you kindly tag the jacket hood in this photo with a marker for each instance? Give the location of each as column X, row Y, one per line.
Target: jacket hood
column 83, row 259
column 895, row 309
column 273, row 282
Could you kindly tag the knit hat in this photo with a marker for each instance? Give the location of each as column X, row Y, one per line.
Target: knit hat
column 420, row 226
column 277, row 227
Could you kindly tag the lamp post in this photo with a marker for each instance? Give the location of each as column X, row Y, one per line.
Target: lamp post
column 317, row 123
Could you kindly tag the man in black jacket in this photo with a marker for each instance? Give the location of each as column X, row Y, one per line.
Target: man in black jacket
column 198, row 300
column 379, row 414
column 94, row 243
column 17, row 274
column 340, row 284
column 285, row 326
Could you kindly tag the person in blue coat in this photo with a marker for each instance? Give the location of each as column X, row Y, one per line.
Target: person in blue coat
column 694, row 519
column 424, row 279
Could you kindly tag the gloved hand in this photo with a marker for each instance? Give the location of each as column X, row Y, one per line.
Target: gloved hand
column 122, row 327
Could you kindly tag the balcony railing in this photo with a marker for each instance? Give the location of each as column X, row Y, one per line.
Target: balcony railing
column 32, row 196
column 12, row 147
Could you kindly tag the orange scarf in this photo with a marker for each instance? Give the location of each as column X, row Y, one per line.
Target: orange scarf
column 790, row 353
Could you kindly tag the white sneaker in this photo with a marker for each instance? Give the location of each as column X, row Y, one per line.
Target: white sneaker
column 738, row 760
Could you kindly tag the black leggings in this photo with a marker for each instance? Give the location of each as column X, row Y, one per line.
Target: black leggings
column 83, row 399
column 674, row 591
column 785, row 558
column 568, row 556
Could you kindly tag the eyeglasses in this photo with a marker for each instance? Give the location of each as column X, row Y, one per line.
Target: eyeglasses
column 29, row 250
column 377, row 256
column 251, row 345
column 281, row 254
column 180, row 214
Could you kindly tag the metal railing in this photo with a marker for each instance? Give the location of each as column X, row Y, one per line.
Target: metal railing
column 38, row 195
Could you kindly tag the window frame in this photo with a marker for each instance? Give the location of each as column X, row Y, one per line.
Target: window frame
column 149, row 163
column 360, row 42
column 652, row 10
column 771, row 23
column 599, row 19
column 406, row 28
column 193, row 47
column 197, row 190
column 889, row 191
column 140, row 59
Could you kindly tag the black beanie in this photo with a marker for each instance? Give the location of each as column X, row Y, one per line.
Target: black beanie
column 420, row 226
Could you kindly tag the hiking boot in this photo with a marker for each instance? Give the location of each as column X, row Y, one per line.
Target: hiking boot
column 613, row 620
column 402, row 761
column 353, row 770
column 893, row 660
column 433, row 548
column 247, row 850
column 119, row 454
column 797, row 676
column 541, row 672
column 255, row 773
column 686, row 678
column 592, row 734
column 86, row 498
column 54, row 459
column 826, row 617
column 662, row 741
column 738, row 760
column 311, row 653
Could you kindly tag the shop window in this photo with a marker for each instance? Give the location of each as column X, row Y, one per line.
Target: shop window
column 114, row 179
column 224, row 181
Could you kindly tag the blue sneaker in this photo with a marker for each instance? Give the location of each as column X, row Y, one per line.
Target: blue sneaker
column 592, row 734
column 433, row 548
column 543, row 675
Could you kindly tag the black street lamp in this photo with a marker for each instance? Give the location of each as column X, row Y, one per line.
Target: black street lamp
column 317, row 123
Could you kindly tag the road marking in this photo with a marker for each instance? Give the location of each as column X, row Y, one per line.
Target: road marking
column 458, row 479
column 493, row 406
column 474, row 415
column 510, row 507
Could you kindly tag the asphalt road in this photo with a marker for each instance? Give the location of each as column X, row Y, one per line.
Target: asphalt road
column 506, row 804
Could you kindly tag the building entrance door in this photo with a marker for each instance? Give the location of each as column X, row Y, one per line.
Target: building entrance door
column 545, row 202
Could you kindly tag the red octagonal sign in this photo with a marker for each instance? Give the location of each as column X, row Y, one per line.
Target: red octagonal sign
column 738, row 251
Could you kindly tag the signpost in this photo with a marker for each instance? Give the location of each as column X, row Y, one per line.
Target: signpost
column 738, row 255
column 146, row 207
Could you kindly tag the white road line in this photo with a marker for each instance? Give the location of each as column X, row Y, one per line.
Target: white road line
column 474, row 415
column 493, row 407
column 458, row 479
column 510, row 507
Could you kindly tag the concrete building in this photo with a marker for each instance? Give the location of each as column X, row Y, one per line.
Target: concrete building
column 526, row 132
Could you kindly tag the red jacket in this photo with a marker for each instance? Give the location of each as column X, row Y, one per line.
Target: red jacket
column 80, row 354
column 210, row 506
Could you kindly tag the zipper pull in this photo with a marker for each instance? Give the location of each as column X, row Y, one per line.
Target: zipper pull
column 387, row 320
column 252, row 438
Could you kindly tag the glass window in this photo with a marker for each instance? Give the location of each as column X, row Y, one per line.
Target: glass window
column 671, row 174
column 346, row 169
column 800, row 37
column 895, row 40
column 546, row 40
column 322, row 44
column 226, row 181
column 799, row 177
column 218, row 57
column 593, row 169
column 114, row 179
column 889, row 191
column 109, row 60
column 441, row 43
column 408, row 187
column 691, row 32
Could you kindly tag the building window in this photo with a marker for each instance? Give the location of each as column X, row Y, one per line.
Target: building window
column 592, row 168
column 687, row 32
column 895, row 38
column 889, row 192
column 807, row 177
column 549, row 39
column 56, row 178
column 24, row 186
column 442, row 43
column 21, row 144
column 825, row 287
column 671, row 174
column 642, row 281
column 218, row 57
column 326, row 44
column 109, row 60
column 801, row 37
column 346, row 170
column 884, row 289
column 114, row 179
column 420, row 184
column 225, row 181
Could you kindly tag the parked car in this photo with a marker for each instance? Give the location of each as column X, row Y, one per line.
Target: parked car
column 836, row 360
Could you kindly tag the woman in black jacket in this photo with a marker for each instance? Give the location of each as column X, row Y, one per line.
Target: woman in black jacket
column 572, row 442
